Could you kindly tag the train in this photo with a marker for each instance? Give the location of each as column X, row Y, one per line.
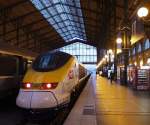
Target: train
column 50, row 80
column 12, row 69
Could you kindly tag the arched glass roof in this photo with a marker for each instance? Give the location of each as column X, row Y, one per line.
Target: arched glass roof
column 65, row 16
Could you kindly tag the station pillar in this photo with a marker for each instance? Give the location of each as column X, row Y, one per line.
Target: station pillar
column 126, row 42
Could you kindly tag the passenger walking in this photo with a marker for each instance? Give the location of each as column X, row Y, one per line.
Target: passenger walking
column 111, row 76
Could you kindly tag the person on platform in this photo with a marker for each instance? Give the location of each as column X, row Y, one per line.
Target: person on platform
column 111, row 76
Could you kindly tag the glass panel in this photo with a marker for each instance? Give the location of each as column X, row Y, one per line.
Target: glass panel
column 77, row 4
column 61, row 13
column 51, row 20
column 64, row 16
column 61, row 24
column 52, row 11
column 59, row 8
column 37, row 4
column 84, row 53
column 56, row 26
column 79, row 12
column 60, row 31
column 55, row 1
column 67, row 23
column 47, row 3
column 45, row 13
column 57, row 18
column 64, row 30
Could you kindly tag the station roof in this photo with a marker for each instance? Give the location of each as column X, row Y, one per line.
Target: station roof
column 41, row 25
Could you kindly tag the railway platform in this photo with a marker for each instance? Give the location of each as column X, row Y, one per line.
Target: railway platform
column 106, row 103
column 83, row 112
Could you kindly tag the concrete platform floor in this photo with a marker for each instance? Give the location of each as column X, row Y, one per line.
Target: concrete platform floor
column 120, row 105
column 105, row 103
column 83, row 112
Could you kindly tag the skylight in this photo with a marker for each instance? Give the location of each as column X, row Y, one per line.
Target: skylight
column 84, row 53
column 65, row 16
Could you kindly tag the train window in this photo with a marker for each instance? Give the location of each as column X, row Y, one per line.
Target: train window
column 50, row 61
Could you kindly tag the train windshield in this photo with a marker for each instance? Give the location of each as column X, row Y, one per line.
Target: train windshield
column 50, row 61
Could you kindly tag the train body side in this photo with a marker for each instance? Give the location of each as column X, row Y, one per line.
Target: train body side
column 66, row 77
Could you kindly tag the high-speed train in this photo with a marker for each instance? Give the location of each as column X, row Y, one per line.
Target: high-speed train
column 50, row 80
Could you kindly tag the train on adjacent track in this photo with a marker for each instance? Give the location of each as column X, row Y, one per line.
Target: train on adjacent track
column 12, row 69
column 49, row 81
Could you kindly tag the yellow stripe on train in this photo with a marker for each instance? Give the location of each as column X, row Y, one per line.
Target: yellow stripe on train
column 58, row 75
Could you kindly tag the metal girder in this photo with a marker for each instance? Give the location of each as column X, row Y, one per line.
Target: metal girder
column 102, row 29
column 122, row 7
column 43, row 34
column 35, row 22
column 33, row 36
column 100, row 42
column 27, row 44
column 51, row 41
column 105, row 23
column 97, row 26
column 37, row 11
column 98, row 19
column 36, row 38
column 25, row 15
column 30, row 32
column 15, row 4
column 17, row 24
column 53, row 44
column 27, row 25
column 39, row 29
column 4, row 14
column 56, row 15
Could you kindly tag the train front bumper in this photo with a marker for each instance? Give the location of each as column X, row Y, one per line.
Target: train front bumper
column 36, row 99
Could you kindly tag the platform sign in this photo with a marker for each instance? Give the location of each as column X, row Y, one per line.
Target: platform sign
column 143, row 81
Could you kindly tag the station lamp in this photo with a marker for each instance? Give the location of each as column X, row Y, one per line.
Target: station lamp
column 119, row 45
column 141, row 63
column 148, row 61
column 106, row 56
column 135, row 63
column 142, row 12
column 119, row 51
column 110, row 51
column 104, row 59
column 118, row 40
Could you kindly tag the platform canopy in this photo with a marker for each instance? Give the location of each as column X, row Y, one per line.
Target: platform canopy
column 41, row 25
